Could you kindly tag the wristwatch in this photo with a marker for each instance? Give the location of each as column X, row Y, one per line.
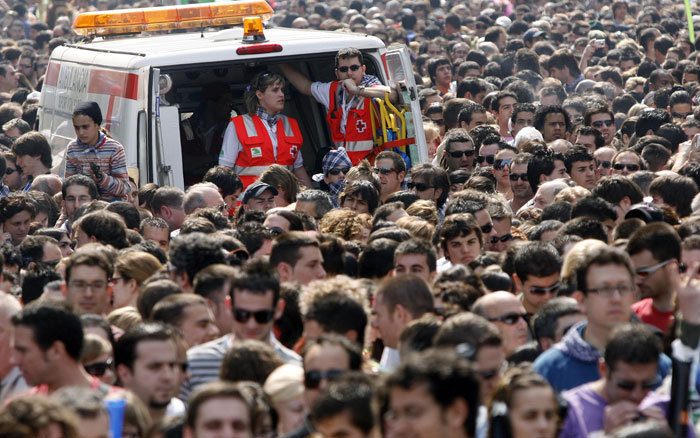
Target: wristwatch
column 360, row 89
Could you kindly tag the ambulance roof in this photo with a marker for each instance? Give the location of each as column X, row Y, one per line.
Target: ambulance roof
column 192, row 48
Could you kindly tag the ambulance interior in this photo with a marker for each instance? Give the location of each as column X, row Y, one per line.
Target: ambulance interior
column 189, row 84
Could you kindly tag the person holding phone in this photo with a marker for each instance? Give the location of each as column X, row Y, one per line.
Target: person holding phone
column 95, row 154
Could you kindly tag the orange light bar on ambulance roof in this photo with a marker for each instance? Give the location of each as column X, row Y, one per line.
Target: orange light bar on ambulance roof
column 125, row 21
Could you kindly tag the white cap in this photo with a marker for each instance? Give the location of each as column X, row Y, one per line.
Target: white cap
column 503, row 21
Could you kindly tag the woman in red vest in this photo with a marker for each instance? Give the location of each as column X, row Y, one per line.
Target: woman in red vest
column 264, row 136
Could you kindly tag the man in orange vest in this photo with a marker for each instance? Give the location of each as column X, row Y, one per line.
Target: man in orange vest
column 347, row 100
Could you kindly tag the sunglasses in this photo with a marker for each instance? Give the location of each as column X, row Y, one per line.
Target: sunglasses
column 344, row 69
column 645, row 272
column 600, row 123
column 421, row 187
column 384, row 170
column 501, row 163
column 458, row 154
column 486, row 229
column 336, row 170
column 504, row 238
column 261, row 316
column 312, row 379
column 626, row 385
column 98, row 369
column 536, row 290
column 604, row 164
column 9, row 171
column 488, row 158
column 517, row 176
column 630, row 167
column 511, row 318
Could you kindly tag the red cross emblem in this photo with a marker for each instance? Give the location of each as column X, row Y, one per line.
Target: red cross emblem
column 360, row 125
column 293, row 150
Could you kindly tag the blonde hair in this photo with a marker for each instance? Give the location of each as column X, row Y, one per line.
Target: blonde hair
column 125, row 318
column 94, row 346
column 138, row 265
column 572, row 194
column 343, row 223
column 417, row 227
column 577, row 255
column 425, row 210
column 284, row 383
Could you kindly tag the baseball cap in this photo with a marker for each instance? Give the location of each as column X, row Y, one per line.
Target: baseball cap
column 645, row 211
column 256, row 189
column 532, row 33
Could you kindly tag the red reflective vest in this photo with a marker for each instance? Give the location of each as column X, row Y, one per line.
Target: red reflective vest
column 357, row 139
column 257, row 153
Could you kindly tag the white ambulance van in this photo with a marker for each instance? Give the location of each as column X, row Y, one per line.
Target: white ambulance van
column 148, row 85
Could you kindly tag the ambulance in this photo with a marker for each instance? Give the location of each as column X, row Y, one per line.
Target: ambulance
column 149, row 68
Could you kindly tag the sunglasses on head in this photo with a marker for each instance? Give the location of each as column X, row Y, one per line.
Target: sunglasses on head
column 458, row 154
column 261, row 316
column 336, row 170
column 537, row 290
column 511, row 318
column 98, row 369
column 488, row 158
column 630, row 167
column 517, row 176
column 421, row 187
column 501, row 163
column 384, row 170
column 504, row 238
column 627, row 385
column 312, row 379
column 344, row 69
column 600, row 123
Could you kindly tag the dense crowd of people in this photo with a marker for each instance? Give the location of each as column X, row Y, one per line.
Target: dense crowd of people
column 538, row 277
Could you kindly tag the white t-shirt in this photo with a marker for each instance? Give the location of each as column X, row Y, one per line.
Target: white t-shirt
column 231, row 146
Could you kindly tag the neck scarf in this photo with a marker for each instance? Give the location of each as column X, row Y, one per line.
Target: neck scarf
column 270, row 119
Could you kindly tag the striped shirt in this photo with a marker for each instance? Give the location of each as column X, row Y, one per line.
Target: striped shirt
column 109, row 155
column 205, row 361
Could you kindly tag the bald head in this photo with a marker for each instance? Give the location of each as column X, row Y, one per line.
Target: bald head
column 547, row 191
column 508, row 314
column 202, row 195
column 49, row 184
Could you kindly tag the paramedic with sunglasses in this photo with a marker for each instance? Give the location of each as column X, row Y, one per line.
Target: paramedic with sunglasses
column 256, row 304
column 347, row 101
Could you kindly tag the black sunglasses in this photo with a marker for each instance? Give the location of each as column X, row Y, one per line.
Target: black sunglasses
column 599, row 123
column 9, row 171
column 261, row 316
column 337, row 170
column 486, row 228
column 511, row 318
column 384, row 170
column 98, row 369
column 630, row 167
column 312, row 379
column 458, row 154
column 488, row 158
column 516, row 176
column 604, row 164
column 421, row 187
column 626, row 385
column 344, row 69
column 504, row 238
column 536, row 290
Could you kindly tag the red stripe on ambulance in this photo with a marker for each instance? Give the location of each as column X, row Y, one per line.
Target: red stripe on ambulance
column 108, row 82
